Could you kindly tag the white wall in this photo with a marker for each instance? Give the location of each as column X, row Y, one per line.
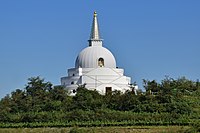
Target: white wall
column 98, row 78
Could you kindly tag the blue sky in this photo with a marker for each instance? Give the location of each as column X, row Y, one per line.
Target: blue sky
column 149, row 38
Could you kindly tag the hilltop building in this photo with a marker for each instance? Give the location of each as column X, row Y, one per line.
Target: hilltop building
column 95, row 68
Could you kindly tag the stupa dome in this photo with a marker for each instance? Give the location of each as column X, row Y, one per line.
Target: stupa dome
column 95, row 56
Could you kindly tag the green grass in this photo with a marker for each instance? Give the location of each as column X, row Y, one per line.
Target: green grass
column 129, row 129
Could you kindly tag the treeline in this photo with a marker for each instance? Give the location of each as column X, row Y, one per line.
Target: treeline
column 171, row 102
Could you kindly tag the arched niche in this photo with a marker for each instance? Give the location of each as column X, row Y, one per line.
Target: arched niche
column 101, row 62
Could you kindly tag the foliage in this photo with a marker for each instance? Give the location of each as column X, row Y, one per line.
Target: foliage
column 40, row 104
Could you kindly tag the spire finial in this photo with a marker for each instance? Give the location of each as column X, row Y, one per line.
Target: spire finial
column 95, row 13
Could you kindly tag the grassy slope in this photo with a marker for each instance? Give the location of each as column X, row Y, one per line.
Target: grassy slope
column 133, row 129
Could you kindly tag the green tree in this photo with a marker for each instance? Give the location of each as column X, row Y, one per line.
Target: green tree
column 87, row 100
column 18, row 100
column 38, row 93
column 151, row 87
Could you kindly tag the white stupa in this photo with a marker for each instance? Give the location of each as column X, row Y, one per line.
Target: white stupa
column 95, row 68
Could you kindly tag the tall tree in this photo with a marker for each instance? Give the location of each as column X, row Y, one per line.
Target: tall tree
column 38, row 93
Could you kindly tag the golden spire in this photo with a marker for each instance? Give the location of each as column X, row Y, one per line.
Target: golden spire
column 95, row 35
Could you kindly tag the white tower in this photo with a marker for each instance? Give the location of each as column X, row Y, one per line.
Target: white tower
column 95, row 67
